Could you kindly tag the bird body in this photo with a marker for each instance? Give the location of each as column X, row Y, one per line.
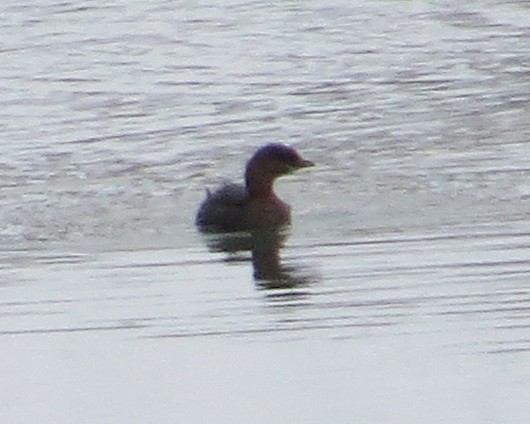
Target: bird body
column 235, row 207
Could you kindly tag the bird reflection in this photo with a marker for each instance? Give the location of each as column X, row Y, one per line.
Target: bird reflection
column 265, row 246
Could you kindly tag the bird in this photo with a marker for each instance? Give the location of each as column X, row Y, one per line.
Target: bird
column 254, row 205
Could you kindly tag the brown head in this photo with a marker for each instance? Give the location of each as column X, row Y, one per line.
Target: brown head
column 268, row 163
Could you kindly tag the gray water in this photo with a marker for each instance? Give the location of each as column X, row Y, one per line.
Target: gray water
column 402, row 291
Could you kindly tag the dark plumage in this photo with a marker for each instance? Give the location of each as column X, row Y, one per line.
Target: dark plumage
column 235, row 207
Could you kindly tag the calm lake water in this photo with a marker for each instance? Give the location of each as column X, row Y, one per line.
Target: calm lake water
column 402, row 291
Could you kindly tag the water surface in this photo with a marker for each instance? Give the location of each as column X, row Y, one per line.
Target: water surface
column 401, row 293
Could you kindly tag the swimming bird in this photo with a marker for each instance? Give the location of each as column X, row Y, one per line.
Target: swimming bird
column 236, row 207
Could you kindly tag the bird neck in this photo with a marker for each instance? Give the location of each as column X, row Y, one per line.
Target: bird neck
column 259, row 185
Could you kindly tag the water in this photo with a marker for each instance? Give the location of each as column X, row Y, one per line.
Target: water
column 401, row 293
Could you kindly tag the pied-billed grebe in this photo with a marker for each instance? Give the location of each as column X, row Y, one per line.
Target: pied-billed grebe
column 236, row 207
